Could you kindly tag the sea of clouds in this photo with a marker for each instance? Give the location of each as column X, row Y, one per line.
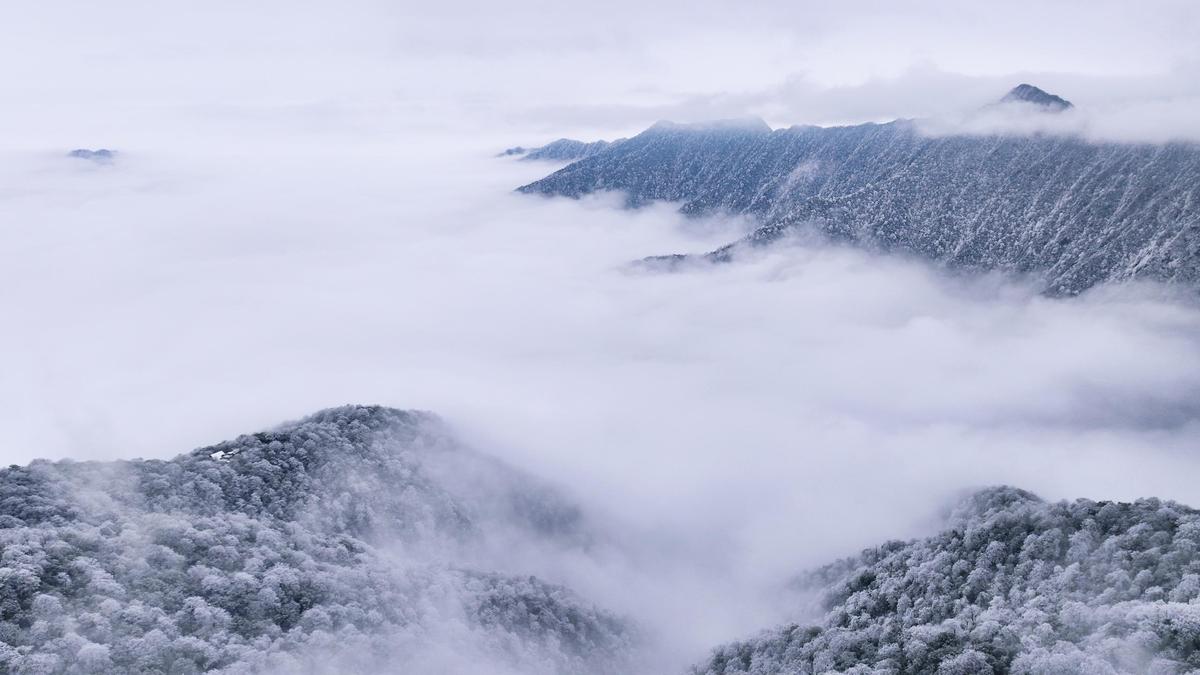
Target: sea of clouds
column 290, row 225
column 734, row 424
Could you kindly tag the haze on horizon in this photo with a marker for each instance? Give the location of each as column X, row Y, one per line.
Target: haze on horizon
column 527, row 72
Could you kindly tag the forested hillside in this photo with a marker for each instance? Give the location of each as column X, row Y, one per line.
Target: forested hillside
column 341, row 542
column 1013, row 585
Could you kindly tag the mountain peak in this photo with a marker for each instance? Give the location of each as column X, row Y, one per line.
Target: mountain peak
column 1027, row 93
column 101, row 156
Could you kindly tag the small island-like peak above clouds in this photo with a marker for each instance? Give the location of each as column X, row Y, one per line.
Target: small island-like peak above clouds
column 1029, row 94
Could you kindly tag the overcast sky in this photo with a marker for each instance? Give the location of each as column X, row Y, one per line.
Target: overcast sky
column 126, row 70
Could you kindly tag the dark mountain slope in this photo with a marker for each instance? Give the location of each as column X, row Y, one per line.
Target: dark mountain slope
column 1073, row 212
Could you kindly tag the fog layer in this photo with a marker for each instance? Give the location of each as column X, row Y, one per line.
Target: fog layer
column 737, row 423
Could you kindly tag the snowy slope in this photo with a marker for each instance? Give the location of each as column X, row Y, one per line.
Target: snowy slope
column 1073, row 212
column 341, row 543
column 567, row 150
column 1013, row 585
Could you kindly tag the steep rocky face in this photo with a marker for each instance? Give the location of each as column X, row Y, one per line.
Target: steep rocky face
column 1072, row 212
column 1013, row 585
column 341, row 542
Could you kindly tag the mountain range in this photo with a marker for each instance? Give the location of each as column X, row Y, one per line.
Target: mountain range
column 1068, row 212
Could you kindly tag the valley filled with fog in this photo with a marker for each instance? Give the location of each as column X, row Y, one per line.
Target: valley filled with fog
column 731, row 424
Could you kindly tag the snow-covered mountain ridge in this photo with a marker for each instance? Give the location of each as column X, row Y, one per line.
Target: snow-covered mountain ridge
column 1073, row 212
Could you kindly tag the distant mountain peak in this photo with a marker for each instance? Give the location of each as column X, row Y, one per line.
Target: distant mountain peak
column 1027, row 93
column 101, row 156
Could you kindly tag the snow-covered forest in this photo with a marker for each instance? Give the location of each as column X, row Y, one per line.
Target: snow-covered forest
column 361, row 538
column 340, row 542
column 1013, row 585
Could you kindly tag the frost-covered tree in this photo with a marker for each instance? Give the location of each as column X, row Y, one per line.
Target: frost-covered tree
column 1013, row 585
column 331, row 544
